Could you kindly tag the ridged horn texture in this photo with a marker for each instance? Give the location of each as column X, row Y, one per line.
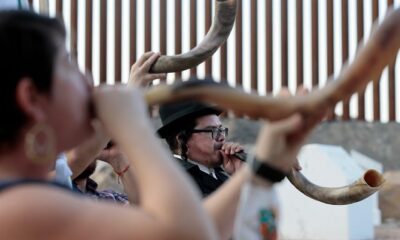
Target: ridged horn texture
column 225, row 14
column 380, row 50
column 362, row 188
column 369, row 183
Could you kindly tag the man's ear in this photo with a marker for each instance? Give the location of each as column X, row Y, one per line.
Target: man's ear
column 179, row 139
column 182, row 136
column 28, row 100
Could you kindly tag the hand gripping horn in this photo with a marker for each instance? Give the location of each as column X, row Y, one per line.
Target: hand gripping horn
column 225, row 13
column 380, row 50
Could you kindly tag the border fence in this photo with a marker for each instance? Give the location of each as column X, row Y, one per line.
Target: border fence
column 274, row 43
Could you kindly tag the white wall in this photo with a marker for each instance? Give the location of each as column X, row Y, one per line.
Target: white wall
column 305, row 218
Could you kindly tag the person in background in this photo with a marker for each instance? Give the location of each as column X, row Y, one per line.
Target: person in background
column 86, row 185
column 222, row 204
column 197, row 139
column 111, row 154
column 194, row 134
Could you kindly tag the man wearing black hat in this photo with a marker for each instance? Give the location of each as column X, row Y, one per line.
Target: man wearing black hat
column 196, row 137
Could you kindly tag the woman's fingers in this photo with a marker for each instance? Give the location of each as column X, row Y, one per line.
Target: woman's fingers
column 140, row 75
column 289, row 125
column 143, row 58
column 149, row 62
column 154, row 76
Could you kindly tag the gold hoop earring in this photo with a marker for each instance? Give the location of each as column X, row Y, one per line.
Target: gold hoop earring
column 40, row 144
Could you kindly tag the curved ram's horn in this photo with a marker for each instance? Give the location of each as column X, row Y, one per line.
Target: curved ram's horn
column 369, row 183
column 225, row 13
column 364, row 187
column 380, row 50
column 240, row 102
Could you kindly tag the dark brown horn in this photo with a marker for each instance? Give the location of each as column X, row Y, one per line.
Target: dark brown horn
column 225, row 13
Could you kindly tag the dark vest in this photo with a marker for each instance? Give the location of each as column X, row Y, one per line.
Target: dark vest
column 206, row 183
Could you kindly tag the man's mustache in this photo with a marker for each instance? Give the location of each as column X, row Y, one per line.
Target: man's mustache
column 218, row 146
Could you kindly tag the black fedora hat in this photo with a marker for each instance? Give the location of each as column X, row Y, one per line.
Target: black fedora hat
column 175, row 116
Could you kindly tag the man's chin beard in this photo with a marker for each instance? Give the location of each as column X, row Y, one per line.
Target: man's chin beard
column 219, row 159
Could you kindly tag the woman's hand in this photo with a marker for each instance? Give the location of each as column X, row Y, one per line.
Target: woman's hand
column 122, row 110
column 285, row 92
column 279, row 142
column 114, row 157
column 140, row 75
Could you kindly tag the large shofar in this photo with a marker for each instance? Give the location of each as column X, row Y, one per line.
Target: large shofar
column 225, row 13
column 380, row 50
column 369, row 183
column 371, row 59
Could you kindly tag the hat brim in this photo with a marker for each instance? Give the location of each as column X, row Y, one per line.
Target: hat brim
column 173, row 127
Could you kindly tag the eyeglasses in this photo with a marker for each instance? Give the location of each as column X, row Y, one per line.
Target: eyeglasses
column 215, row 132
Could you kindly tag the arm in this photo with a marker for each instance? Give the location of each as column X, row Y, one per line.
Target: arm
column 277, row 144
column 61, row 215
column 119, row 163
column 169, row 207
column 164, row 191
column 80, row 157
column 222, row 204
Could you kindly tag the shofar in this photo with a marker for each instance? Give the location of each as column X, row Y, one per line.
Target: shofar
column 369, row 183
column 225, row 13
column 380, row 50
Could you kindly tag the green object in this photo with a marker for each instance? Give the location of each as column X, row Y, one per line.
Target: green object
column 267, row 217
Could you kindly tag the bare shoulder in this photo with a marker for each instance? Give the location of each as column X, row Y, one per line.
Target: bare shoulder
column 44, row 212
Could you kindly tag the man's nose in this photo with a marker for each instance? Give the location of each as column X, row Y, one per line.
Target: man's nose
column 220, row 137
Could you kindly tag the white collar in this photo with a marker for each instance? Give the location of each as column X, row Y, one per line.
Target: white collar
column 209, row 171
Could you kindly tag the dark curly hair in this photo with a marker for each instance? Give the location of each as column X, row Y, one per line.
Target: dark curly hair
column 178, row 142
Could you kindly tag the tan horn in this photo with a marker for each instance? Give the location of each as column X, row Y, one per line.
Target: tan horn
column 369, row 183
column 362, row 188
column 380, row 50
column 225, row 13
